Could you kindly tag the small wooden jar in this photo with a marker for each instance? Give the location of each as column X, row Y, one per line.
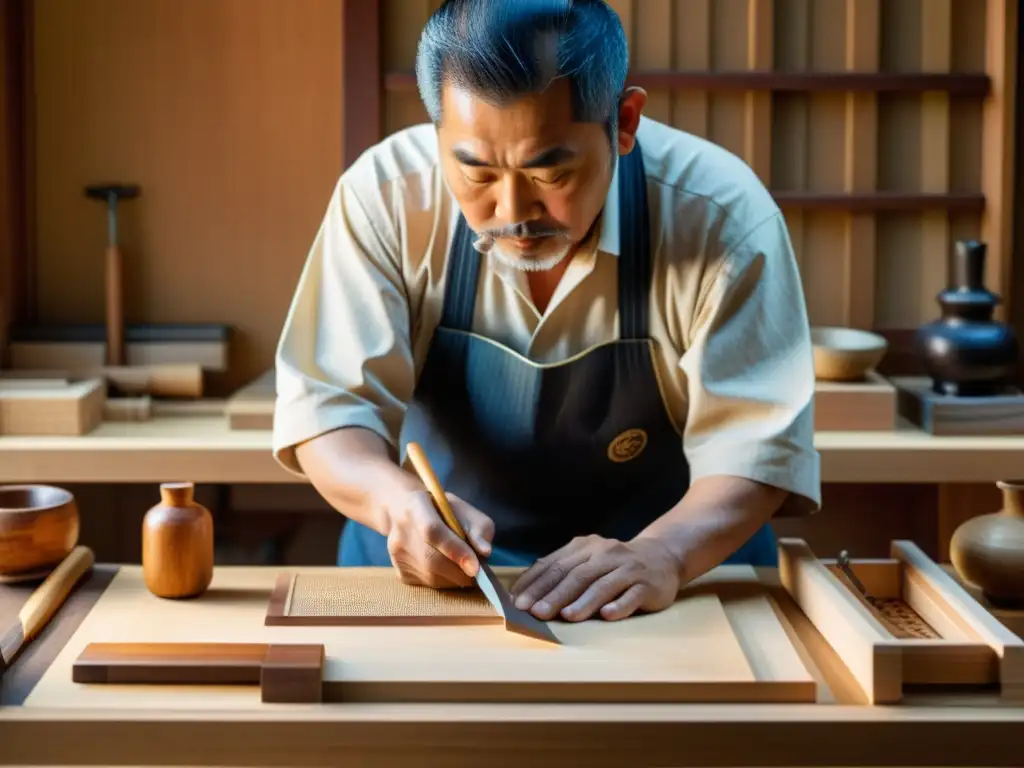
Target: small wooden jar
column 177, row 544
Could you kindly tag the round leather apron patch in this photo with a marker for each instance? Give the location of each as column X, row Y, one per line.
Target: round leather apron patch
column 627, row 445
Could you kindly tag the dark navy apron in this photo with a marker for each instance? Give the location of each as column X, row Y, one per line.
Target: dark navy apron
column 550, row 451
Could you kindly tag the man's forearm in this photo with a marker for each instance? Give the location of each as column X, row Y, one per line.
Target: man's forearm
column 714, row 519
column 354, row 471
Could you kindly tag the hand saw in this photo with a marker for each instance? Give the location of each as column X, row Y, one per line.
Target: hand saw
column 516, row 619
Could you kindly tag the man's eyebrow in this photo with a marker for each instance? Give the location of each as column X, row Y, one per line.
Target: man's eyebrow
column 550, row 158
column 468, row 158
column 545, row 159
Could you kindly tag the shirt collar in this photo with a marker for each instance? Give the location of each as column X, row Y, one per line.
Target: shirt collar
column 609, row 240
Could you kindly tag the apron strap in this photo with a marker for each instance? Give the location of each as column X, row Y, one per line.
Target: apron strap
column 635, row 262
column 463, row 271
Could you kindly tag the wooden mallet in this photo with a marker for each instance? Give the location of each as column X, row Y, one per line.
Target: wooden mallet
column 112, row 194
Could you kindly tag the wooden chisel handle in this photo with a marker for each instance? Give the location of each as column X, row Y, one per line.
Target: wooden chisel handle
column 426, row 472
column 51, row 594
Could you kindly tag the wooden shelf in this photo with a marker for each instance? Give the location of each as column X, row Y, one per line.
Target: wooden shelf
column 880, row 202
column 966, row 84
column 204, row 450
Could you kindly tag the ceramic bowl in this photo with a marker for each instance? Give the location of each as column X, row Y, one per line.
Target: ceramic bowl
column 846, row 354
column 39, row 526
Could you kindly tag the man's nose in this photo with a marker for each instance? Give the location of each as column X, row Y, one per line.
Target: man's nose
column 516, row 202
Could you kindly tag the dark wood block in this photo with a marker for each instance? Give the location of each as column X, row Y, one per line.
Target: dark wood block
column 292, row 674
column 950, row 415
column 170, row 663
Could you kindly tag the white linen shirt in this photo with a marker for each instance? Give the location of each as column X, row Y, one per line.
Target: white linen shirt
column 727, row 311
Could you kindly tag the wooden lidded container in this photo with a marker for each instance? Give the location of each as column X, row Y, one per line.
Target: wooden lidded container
column 177, row 544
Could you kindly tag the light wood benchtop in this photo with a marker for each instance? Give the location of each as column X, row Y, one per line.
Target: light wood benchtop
column 146, row 728
column 204, row 450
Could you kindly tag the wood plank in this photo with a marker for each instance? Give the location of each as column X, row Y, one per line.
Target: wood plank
column 961, row 84
column 362, row 109
column 936, row 56
column 17, row 295
column 689, row 652
column 860, row 164
column 206, row 450
column 252, row 406
column 757, row 130
column 998, row 146
column 862, row 406
column 51, row 409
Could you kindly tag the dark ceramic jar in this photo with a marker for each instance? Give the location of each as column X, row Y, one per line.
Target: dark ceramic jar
column 965, row 352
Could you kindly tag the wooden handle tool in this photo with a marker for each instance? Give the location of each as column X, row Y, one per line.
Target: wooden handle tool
column 426, row 472
column 44, row 603
column 516, row 620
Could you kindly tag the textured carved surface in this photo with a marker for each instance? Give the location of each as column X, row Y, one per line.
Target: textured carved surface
column 363, row 596
column 903, row 617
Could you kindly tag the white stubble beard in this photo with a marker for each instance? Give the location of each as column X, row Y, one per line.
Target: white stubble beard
column 490, row 247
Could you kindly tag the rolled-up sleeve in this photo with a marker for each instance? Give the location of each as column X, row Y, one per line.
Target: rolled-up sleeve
column 750, row 372
column 344, row 357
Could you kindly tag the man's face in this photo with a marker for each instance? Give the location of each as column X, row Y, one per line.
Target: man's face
column 525, row 175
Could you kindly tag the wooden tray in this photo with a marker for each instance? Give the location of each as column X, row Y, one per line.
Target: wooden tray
column 864, row 406
column 947, row 415
column 723, row 641
column 957, row 643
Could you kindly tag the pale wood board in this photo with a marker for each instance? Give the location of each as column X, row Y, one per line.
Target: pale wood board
column 41, row 355
column 51, row 409
column 705, row 648
column 206, row 450
column 866, row 406
column 252, row 406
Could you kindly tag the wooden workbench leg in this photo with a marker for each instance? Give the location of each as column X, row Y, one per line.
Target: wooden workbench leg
column 959, row 502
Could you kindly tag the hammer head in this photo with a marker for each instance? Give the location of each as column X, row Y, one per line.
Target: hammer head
column 113, row 192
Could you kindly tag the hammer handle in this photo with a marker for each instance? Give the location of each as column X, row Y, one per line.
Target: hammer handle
column 115, row 307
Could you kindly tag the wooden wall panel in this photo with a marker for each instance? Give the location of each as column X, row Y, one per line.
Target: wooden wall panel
column 867, row 268
column 14, row 171
column 228, row 113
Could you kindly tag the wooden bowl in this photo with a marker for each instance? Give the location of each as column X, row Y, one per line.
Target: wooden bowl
column 39, row 526
column 846, row 354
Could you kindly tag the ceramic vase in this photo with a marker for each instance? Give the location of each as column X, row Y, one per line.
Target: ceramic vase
column 966, row 352
column 988, row 551
column 177, row 544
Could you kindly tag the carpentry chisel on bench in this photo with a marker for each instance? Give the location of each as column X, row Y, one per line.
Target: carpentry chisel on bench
column 44, row 603
column 516, row 619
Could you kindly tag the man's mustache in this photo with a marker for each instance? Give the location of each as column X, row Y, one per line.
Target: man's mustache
column 524, row 230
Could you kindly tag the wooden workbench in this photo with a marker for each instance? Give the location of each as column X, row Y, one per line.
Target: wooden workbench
column 205, row 450
column 171, row 726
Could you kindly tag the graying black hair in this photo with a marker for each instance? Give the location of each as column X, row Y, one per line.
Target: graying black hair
column 504, row 49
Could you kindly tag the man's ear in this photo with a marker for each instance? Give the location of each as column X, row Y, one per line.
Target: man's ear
column 631, row 106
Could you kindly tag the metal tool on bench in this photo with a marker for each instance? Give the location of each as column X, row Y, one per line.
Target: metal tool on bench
column 516, row 619
column 894, row 614
column 113, row 194
column 44, row 603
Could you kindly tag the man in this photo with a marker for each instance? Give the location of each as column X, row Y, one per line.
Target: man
column 592, row 323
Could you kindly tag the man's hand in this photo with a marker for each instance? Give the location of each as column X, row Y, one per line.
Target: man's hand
column 592, row 575
column 425, row 550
